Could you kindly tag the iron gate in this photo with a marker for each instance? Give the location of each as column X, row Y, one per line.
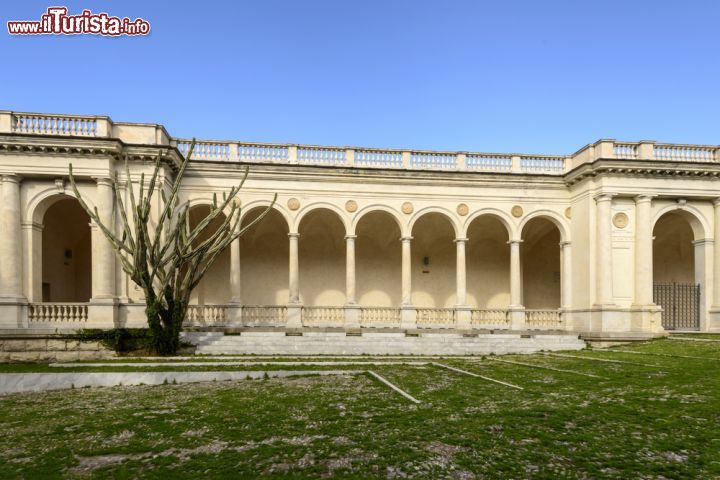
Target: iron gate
column 680, row 304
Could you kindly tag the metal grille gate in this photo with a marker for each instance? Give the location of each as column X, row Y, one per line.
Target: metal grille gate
column 680, row 304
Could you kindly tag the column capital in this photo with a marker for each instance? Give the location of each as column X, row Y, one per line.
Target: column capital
column 10, row 178
column 565, row 243
column 644, row 198
column 604, row 196
column 716, row 202
column 350, row 237
column 293, row 235
column 460, row 240
column 406, row 239
column 515, row 241
column 105, row 181
column 38, row 227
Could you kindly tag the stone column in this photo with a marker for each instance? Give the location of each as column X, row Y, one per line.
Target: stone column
column 103, row 260
column 294, row 310
column 716, row 258
column 102, row 312
column 566, row 275
column 407, row 314
column 10, row 241
column 516, row 308
column 603, row 251
column 235, row 307
column 643, row 251
column 462, row 311
column 352, row 309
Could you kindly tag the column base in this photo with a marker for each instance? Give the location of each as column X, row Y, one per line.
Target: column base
column 294, row 317
column 463, row 317
column 516, row 316
column 408, row 318
column 103, row 313
column 352, row 317
column 13, row 313
column 234, row 315
column 646, row 318
column 712, row 322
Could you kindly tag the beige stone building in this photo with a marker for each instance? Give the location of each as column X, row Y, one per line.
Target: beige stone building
column 616, row 240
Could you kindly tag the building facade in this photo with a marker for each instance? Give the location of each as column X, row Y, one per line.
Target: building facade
column 614, row 241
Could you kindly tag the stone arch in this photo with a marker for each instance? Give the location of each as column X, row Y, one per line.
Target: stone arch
column 451, row 217
column 375, row 208
column 321, row 256
column 697, row 221
column 213, row 289
column 255, row 204
column 378, row 264
column 487, row 260
column 306, row 210
column 553, row 217
column 433, row 259
column 541, row 268
column 43, row 200
column 501, row 216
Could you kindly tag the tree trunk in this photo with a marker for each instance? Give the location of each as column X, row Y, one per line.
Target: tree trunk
column 165, row 325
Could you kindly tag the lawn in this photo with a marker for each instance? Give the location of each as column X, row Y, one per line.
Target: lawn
column 652, row 416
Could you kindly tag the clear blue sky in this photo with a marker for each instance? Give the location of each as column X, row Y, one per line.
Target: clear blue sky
column 507, row 76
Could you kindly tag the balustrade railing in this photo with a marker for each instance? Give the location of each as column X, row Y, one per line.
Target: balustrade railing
column 43, row 124
column 263, row 153
column 685, row 153
column 264, row 315
column 379, row 317
column 488, row 163
column 58, row 312
column 321, row 156
column 625, row 150
column 212, row 151
column 378, row 159
column 323, row 316
column 435, row 317
column 206, row 315
column 543, row 318
column 547, row 165
column 433, row 161
column 480, row 317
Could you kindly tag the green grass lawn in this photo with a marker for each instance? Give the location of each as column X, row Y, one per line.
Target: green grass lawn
column 658, row 421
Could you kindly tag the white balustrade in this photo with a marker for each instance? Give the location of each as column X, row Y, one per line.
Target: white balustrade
column 54, row 124
column 378, row 159
column 537, row 164
column 433, row 161
column 483, row 317
column 543, row 318
column 323, row 316
column 379, row 317
column 321, row 156
column 625, row 150
column 213, row 151
column 435, row 317
column 57, row 312
column 263, row 153
column 205, row 315
column 685, row 153
column 264, row 315
column 488, row 163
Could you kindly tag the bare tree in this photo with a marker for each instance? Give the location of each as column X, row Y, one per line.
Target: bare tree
column 168, row 259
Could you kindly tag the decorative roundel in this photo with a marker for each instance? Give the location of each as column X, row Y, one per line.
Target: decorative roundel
column 351, row 206
column 517, row 211
column 407, row 208
column 293, row 204
column 237, row 202
column 462, row 209
column 620, row 220
column 568, row 212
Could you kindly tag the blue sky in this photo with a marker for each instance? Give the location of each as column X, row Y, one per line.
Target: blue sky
column 504, row 76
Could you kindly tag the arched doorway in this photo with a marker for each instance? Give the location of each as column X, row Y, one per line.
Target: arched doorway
column 321, row 256
column 214, row 288
column 66, row 253
column 488, row 263
column 540, row 265
column 433, row 262
column 264, row 259
column 378, row 262
column 676, row 280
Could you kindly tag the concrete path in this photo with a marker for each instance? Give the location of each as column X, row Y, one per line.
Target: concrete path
column 226, row 363
column 36, row 382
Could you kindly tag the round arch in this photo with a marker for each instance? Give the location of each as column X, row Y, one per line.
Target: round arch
column 375, row 208
column 541, row 263
column 489, row 212
column 428, row 210
column 43, row 200
column 321, row 206
column 550, row 215
column 698, row 223
column 254, row 205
